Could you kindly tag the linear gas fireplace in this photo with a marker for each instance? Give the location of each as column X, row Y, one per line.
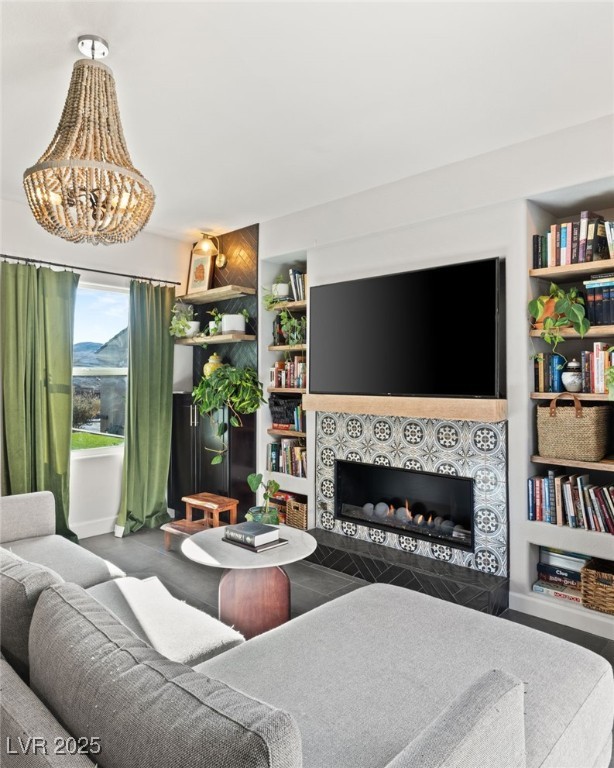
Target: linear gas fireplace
column 424, row 505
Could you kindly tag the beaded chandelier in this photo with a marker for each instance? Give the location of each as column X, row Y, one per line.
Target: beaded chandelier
column 84, row 188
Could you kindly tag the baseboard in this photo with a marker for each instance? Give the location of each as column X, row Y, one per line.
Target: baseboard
column 93, row 527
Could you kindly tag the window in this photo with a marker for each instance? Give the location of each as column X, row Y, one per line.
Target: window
column 100, row 367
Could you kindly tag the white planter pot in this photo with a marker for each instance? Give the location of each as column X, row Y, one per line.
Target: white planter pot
column 193, row 329
column 212, row 328
column 233, row 324
column 281, row 290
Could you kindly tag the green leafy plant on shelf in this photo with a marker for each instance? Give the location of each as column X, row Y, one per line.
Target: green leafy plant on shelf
column 183, row 315
column 556, row 310
column 236, row 389
column 270, row 297
column 293, row 328
column 265, row 513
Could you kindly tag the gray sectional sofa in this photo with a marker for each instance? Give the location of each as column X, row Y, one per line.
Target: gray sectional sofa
column 381, row 677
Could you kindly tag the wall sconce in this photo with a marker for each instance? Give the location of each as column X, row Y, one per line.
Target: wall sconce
column 206, row 247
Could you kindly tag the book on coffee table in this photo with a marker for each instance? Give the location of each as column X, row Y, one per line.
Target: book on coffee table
column 260, row 547
column 252, row 533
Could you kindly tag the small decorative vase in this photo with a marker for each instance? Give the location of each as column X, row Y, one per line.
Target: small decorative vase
column 233, row 324
column 280, row 290
column 212, row 327
column 214, row 362
column 194, row 329
column 572, row 376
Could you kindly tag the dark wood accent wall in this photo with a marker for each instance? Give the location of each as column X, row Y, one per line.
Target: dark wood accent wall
column 241, row 250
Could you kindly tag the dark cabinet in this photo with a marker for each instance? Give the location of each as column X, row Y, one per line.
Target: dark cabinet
column 191, row 470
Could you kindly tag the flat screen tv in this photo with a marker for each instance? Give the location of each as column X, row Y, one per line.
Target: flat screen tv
column 436, row 332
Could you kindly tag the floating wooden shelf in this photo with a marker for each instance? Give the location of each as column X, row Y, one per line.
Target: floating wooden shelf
column 587, row 396
column 223, row 293
column 574, row 270
column 287, row 390
column 286, row 433
column 287, row 348
column 605, row 465
column 569, row 333
column 297, row 306
column 220, row 338
column 485, row 410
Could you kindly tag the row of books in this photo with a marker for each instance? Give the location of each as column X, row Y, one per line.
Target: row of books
column 289, row 374
column 590, row 238
column 254, row 536
column 559, row 574
column 298, row 284
column 549, row 366
column 547, row 371
column 599, row 290
column 288, row 456
column 571, row 500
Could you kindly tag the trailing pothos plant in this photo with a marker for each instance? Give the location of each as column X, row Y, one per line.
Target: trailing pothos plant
column 556, row 310
column 293, row 328
column 238, row 389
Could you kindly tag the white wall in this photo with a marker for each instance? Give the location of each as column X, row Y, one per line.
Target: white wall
column 95, row 481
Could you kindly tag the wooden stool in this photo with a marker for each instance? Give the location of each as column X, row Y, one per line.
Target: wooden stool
column 182, row 528
column 212, row 505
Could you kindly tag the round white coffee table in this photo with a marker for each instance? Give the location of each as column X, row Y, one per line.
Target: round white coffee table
column 254, row 591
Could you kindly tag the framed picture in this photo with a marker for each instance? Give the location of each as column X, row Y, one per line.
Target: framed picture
column 201, row 273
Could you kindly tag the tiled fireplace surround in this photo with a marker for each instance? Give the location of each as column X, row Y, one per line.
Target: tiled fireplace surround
column 465, row 448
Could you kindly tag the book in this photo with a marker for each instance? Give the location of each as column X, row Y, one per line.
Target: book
column 558, row 499
column 554, row 590
column 259, row 548
column 556, row 571
column 252, row 533
column 581, row 481
column 584, row 218
column 596, row 241
column 563, row 559
column 575, row 239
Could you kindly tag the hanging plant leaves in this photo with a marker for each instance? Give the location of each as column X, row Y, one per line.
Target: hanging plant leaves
column 237, row 389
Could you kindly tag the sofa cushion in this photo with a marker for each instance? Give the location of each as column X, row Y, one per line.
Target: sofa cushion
column 383, row 662
column 23, row 716
column 176, row 630
column 21, row 583
column 98, row 677
column 24, row 515
column 71, row 561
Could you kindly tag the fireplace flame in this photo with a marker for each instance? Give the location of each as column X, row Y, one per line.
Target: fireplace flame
column 407, row 505
column 390, row 511
column 430, row 520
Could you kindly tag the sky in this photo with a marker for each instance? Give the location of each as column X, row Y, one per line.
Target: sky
column 99, row 315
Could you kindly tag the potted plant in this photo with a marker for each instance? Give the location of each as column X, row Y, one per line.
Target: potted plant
column 293, row 328
column 183, row 324
column 237, row 389
column 264, row 513
column 556, row 310
column 279, row 291
column 215, row 324
column 235, row 323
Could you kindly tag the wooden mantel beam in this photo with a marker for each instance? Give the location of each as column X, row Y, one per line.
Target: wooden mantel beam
column 455, row 408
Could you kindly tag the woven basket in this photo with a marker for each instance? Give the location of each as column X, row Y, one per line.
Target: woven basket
column 296, row 514
column 598, row 586
column 577, row 433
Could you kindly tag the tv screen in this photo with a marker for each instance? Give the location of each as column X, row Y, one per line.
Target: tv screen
column 436, row 332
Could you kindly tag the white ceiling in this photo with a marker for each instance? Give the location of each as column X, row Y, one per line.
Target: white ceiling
column 242, row 112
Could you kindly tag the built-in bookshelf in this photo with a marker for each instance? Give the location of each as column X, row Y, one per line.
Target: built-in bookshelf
column 284, row 425
column 590, row 536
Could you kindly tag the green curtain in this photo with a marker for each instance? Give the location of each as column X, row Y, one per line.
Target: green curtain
column 37, row 313
column 149, row 409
